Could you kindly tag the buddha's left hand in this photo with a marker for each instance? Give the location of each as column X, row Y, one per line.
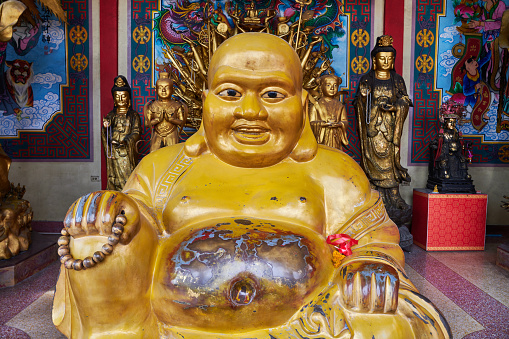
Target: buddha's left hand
column 369, row 287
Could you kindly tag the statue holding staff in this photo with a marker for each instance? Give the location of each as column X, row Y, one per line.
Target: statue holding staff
column 120, row 133
column 381, row 106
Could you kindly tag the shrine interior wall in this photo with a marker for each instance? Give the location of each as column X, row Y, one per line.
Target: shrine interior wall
column 53, row 186
column 490, row 179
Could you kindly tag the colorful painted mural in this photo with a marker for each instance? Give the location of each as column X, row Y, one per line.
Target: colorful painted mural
column 457, row 56
column 44, row 86
column 344, row 25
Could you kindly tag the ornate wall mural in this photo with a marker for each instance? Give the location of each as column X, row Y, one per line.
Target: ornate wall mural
column 159, row 25
column 44, row 88
column 457, row 55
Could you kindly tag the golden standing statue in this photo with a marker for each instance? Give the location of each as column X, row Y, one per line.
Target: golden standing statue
column 328, row 115
column 226, row 235
column 15, row 213
column 381, row 105
column 120, row 133
column 164, row 115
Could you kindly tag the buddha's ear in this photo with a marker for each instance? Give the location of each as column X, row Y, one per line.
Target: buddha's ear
column 307, row 146
column 196, row 144
column 305, row 100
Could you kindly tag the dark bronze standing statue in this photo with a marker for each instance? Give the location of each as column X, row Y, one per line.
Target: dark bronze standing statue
column 120, row 133
column 381, row 105
column 448, row 169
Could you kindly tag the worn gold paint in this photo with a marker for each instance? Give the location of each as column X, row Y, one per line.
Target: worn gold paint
column 235, row 245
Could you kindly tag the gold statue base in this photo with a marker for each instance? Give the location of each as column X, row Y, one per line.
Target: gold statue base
column 40, row 254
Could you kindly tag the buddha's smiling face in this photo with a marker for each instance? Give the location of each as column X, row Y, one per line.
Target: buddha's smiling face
column 253, row 110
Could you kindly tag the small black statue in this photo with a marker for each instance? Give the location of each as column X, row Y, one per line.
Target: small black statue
column 448, row 169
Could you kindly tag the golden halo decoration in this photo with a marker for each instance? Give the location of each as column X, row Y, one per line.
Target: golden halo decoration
column 425, row 38
column 141, row 34
column 79, row 62
column 141, row 64
column 360, row 38
column 424, row 63
column 503, row 153
column 78, row 35
column 360, row 64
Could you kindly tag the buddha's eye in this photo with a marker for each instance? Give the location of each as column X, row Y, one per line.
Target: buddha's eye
column 230, row 93
column 273, row 95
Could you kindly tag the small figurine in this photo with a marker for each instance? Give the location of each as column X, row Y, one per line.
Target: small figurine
column 328, row 116
column 381, row 105
column 164, row 115
column 448, row 165
column 120, row 133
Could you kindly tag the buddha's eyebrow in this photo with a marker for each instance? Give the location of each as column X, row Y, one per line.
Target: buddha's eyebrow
column 226, row 74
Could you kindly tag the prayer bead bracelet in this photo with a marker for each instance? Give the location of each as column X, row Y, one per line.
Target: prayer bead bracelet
column 77, row 264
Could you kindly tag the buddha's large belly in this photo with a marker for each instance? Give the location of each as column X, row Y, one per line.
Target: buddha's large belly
column 238, row 274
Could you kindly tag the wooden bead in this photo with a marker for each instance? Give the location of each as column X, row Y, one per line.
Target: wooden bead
column 64, row 232
column 113, row 239
column 117, row 229
column 78, row 265
column 88, row 262
column 63, row 250
column 121, row 219
column 98, row 257
column 69, row 264
column 64, row 258
column 107, row 249
column 63, row 240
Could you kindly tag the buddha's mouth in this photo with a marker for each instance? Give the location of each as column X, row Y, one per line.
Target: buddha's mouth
column 251, row 135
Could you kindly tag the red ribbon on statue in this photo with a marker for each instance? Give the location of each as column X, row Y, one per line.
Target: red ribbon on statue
column 342, row 242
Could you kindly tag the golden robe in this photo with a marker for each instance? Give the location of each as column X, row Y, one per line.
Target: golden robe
column 159, row 285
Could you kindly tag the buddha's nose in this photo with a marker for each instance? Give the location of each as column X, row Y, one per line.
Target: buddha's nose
column 251, row 108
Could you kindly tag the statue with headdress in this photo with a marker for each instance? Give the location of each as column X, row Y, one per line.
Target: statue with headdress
column 381, row 106
column 120, row 133
column 166, row 117
column 448, row 169
column 328, row 115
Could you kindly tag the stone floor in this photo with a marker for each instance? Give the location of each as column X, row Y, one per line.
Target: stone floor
column 470, row 290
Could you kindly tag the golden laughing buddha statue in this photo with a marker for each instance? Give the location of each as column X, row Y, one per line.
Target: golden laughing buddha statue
column 227, row 235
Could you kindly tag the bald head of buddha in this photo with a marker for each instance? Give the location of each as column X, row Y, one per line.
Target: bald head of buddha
column 253, row 110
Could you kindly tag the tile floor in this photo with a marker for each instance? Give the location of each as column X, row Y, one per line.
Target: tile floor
column 470, row 290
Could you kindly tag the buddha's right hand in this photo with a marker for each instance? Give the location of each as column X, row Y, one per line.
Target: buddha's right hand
column 369, row 287
column 95, row 214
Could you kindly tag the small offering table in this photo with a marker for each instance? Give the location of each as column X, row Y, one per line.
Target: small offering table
column 449, row 222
